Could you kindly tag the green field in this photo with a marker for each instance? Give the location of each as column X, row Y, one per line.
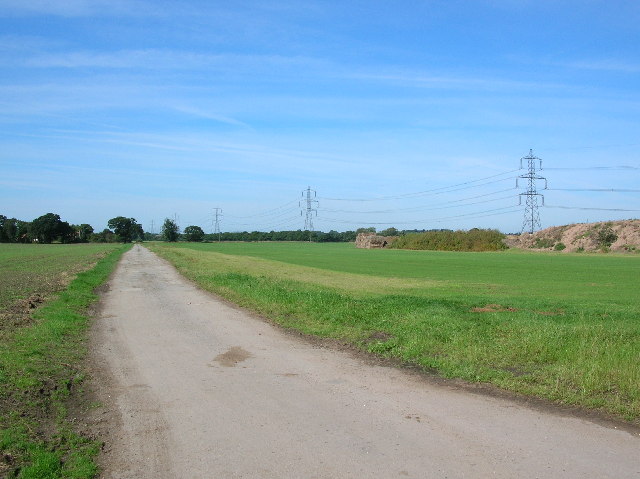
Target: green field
column 45, row 291
column 560, row 326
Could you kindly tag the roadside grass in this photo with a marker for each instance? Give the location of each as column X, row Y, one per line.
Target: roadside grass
column 40, row 360
column 565, row 328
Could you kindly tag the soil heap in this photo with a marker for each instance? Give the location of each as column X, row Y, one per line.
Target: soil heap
column 619, row 236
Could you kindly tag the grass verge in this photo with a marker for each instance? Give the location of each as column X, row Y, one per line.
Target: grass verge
column 566, row 342
column 40, row 368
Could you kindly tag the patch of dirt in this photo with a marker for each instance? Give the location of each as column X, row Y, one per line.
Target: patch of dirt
column 379, row 336
column 493, row 308
column 232, row 357
column 19, row 314
column 551, row 313
column 621, row 236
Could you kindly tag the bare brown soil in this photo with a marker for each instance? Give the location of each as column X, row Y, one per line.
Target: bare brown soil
column 582, row 237
column 493, row 308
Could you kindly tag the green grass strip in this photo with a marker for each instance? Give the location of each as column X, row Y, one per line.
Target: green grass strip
column 40, row 368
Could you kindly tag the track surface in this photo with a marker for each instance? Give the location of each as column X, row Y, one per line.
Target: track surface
column 201, row 389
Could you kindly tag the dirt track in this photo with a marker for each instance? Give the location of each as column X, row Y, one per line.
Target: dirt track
column 195, row 388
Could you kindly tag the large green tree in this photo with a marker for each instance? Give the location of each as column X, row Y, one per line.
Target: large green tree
column 5, row 237
column 126, row 229
column 170, row 230
column 48, row 228
column 83, row 232
column 193, row 233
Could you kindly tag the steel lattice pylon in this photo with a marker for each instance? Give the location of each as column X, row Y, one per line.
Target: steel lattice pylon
column 531, row 214
column 311, row 205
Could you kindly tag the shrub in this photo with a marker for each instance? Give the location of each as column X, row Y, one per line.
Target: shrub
column 543, row 243
column 559, row 246
column 472, row 240
column 606, row 237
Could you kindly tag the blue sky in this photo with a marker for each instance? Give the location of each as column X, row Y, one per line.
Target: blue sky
column 411, row 114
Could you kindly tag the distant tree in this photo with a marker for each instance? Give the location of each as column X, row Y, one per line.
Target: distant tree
column 83, row 232
column 49, row 227
column 371, row 229
column 170, row 230
column 105, row 236
column 12, row 229
column 193, row 233
column 127, row 229
column 138, row 232
column 67, row 233
column 389, row 232
column 150, row 236
column 4, row 236
column 22, row 231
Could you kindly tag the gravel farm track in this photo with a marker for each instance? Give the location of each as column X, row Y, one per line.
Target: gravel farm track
column 193, row 387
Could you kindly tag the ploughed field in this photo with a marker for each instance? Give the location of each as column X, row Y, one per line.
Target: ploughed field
column 565, row 327
column 45, row 293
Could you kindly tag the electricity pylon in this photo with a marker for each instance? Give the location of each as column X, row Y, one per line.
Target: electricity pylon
column 531, row 214
column 311, row 206
column 216, row 225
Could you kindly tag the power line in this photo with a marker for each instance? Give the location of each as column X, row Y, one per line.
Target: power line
column 267, row 212
column 607, row 190
column 619, row 167
column 594, row 209
column 433, row 191
column 433, row 207
column 477, row 214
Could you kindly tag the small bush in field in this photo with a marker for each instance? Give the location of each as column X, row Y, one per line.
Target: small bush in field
column 559, row 246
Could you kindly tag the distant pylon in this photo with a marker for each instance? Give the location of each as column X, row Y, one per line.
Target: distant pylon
column 309, row 208
column 216, row 225
column 531, row 214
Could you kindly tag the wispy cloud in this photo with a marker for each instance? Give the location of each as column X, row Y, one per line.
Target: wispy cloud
column 209, row 115
column 425, row 80
column 170, row 60
column 72, row 8
column 604, row 65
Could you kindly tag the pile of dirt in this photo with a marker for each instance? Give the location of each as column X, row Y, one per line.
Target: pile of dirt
column 372, row 240
column 19, row 313
column 621, row 236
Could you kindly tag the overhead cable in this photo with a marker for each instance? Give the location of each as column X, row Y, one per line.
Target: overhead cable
column 434, row 191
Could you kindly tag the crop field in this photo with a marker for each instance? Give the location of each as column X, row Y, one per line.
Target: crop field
column 565, row 327
column 42, row 269
column 45, row 291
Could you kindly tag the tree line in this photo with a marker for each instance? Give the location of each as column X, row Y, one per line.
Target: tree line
column 50, row 228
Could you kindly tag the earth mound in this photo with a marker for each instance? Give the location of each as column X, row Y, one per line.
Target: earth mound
column 619, row 236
